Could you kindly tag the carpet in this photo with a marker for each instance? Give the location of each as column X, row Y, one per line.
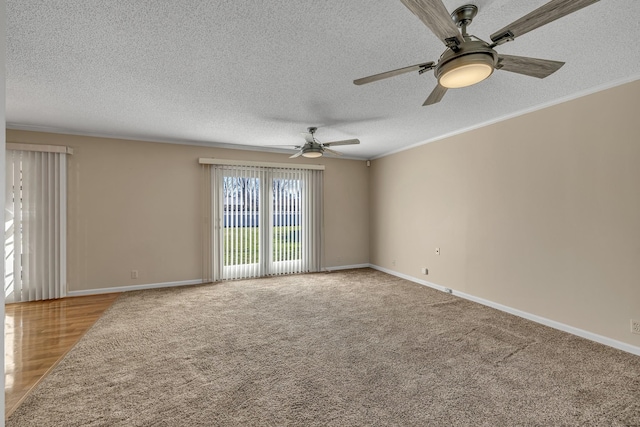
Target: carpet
column 349, row 348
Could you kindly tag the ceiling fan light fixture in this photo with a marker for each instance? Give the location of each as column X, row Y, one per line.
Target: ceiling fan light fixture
column 466, row 70
column 312, row 152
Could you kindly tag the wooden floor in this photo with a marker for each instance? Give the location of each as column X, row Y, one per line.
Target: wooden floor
column 38, row 334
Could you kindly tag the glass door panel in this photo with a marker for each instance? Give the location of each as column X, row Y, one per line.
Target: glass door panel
column 285, row 237
column 241, row 226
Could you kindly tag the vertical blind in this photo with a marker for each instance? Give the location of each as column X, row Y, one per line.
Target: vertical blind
column 261, row 221
column 35, row 225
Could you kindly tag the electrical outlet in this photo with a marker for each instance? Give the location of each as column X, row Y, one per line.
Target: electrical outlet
column 393, row 262
column 635, row 326
column 134, row 274
column 425, row 270
column 437, row 251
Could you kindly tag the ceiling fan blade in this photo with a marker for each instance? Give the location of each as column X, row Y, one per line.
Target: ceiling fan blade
column 298, row 154
column 345, row 142
column 335, row 153
column 436, row 95
column 434, row 14
column 548, row 12
column 533, row 67
column 418, row 67
column 308, row 137
column 284, row 145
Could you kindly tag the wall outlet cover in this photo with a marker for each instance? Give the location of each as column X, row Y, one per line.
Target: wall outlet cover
column 635, row 326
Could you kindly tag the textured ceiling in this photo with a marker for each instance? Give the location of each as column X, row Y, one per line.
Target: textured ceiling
column 259, row 72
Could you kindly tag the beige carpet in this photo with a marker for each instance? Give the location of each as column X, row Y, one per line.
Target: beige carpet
column 347, row 348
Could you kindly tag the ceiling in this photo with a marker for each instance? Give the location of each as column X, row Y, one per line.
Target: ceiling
column 257, row 73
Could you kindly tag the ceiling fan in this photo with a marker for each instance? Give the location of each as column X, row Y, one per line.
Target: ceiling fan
column 314, row 148
column 467, row 59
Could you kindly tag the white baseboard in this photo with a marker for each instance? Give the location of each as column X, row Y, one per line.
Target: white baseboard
column 409, row 278
column 346, row 267
column 534, row 318
column 132, row 288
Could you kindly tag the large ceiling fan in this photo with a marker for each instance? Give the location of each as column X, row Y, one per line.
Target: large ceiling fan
column 314, row 148
column 469, row 60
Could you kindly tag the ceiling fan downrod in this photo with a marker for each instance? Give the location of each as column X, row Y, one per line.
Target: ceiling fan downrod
column 463, row 16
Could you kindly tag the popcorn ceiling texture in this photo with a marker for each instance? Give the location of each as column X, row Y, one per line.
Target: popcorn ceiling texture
column 259, row 72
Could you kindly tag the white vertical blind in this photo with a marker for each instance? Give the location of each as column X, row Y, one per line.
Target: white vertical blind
column 35, row 225
column 264, row 221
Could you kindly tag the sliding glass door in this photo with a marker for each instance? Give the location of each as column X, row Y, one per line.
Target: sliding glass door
column 35, row 225
column 265, row 221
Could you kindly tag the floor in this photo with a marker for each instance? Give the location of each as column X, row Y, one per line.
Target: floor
column 38, row 334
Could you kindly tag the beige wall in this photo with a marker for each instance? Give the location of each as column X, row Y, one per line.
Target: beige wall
column 135, row 205
column 540, row 212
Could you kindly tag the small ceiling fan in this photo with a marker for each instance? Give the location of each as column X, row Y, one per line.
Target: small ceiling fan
column 469, row 60
column 314, row 148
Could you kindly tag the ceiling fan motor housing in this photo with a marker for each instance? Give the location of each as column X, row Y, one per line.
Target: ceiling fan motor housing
column 472, row 56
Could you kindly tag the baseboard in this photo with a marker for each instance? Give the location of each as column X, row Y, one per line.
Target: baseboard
column 409, row 278
column 345, row 267
column 534, row 318
column 132, row 288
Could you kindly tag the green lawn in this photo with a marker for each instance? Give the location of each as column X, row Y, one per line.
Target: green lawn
column 286, row 244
